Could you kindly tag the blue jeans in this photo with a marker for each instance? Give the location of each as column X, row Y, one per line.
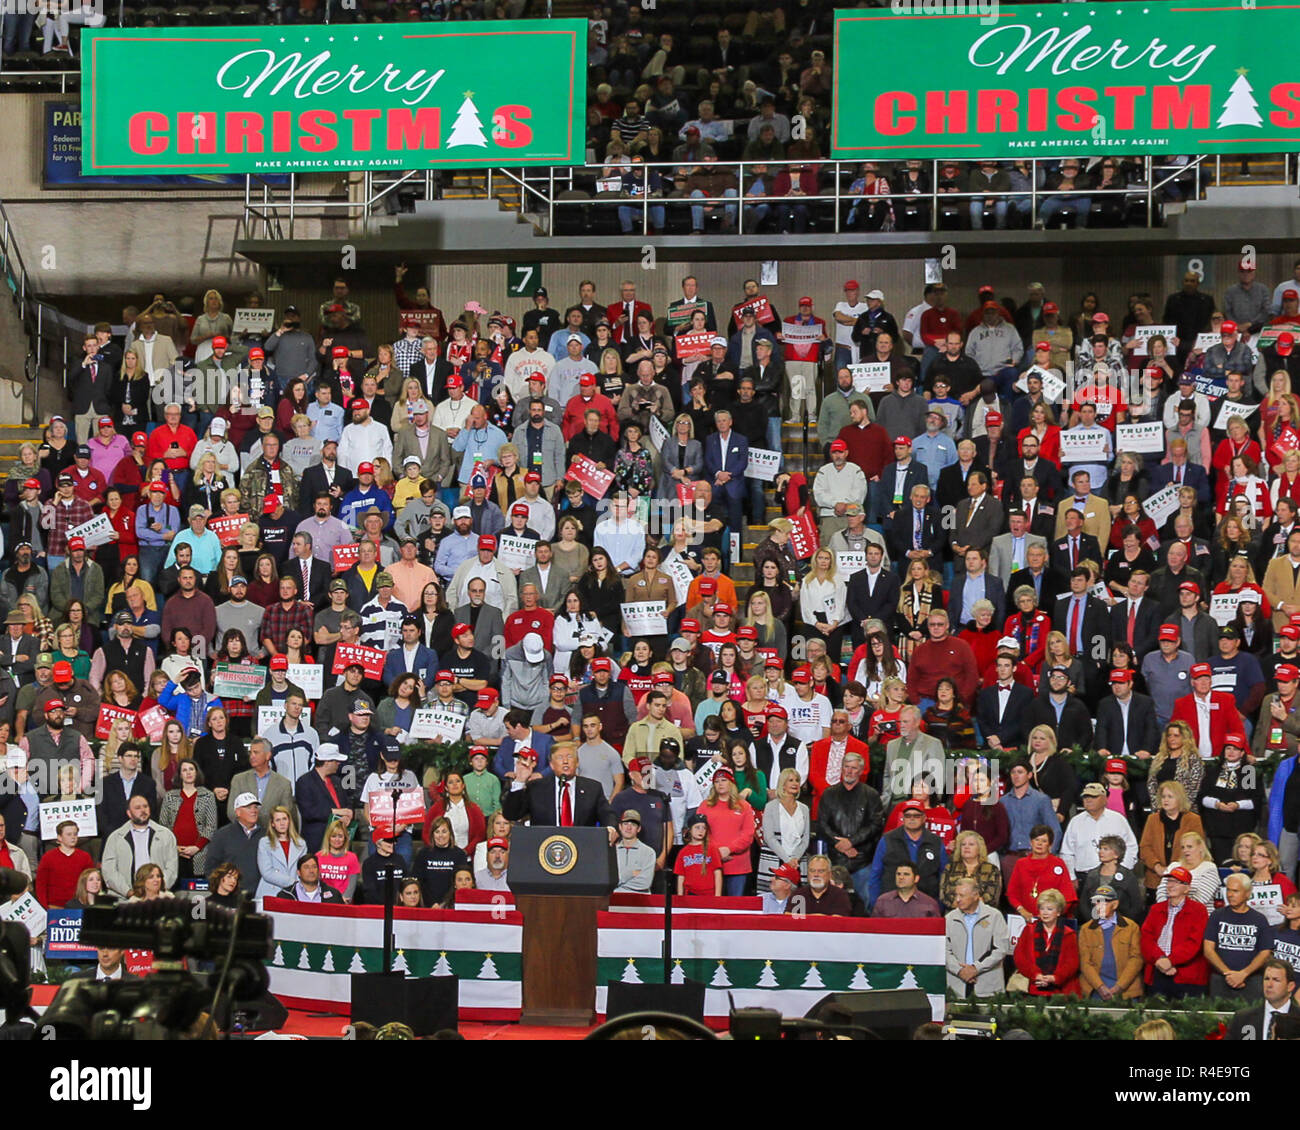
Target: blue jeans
column 18, row 33
column 774, row 433
column 844, row 357
column 757, row 503
column 734, row 885
column 860, row 879
column 629, row 217
column 755, row 214
column 698, row 210
column 927, row 359
column 1053, row 206
column 977, row 214
column 151, row 559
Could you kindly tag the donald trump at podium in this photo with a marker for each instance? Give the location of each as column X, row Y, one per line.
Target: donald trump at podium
column 563, row 800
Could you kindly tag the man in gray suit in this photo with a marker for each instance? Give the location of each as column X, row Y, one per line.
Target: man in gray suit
column 977, row 520
column 271, row 789
column 487, row 621
column 422, row 439
column 910, row 755
column 552, row 583
column 1007, row 553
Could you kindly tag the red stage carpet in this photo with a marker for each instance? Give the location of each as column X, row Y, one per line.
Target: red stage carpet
column 332, row 1027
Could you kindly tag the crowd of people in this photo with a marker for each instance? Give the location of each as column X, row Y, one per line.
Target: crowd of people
column 990, row 573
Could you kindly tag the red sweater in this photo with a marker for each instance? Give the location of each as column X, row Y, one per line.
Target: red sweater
column 1031, row 877
column 731, row 829
column 57, row 875
column 934, row 659
column 1067, row 964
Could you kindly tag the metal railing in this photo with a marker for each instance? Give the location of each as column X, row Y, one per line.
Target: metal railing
column 279, row 209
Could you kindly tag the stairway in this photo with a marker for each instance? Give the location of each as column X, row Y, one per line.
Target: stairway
column 11, row 439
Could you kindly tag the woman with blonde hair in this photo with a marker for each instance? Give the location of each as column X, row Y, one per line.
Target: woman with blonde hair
column 1242, row 848
column 38, row 624
column 787, row 828
column 149, row 883
column 758, row 615
column 1177, row 759
column 1232, row 542
column 207, row 485
column 411, row 394
column 1205, row 873
column 278, row 853
column 1287, row 482
column 1057, row 654
column 1279, row 430
column 921, row 593
column 384, row 475
column 682, row 457
column 823, row 602
column 1047, row 952
column 121, row 733
column 1050, row 773
column 213, row 322
column 1158, row 849
column 508, row 483
column 883, row 726
column 385, row 372
column 970, row 860
column 1159, row 1029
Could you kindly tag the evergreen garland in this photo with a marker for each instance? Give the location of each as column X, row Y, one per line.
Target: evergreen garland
column 1071, row 1018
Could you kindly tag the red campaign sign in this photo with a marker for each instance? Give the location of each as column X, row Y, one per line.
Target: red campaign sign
column 805, row 536
column 371, row 658
column 1289, row 440
column 410, row 810
column 227, row 528
column 138, row 962
column 428, row 320
column 108, row 715
column 694, row 346
column 686, row 495
column 345, row 556
column 761, row 307
column 595, row 480
column 152, row 722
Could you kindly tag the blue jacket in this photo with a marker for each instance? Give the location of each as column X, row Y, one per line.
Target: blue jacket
column 357, row 501
column 425, row 667
column 504, row 762
column 180, row 704
column 737, row 460
column 1276, row 797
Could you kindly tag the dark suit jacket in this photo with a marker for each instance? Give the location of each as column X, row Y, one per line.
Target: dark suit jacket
column 426, row 665
column 1050, row 484
column 898, row 536
column 313, row 483
column 983, row 527
column 881, row 604
column 536, row 803
column 950, row 488
column 736, row 461
column 1043, row 520
column 318, row 579
column 992, row 591
column 88, row 974
column 1089, row 550
column 1075, row 727
column 86, row 391
column 1143, row 731
column 1052, row 585
column 112, row 808
column 1268, row 547
column 23, row 654
column 1012, row 730
column 884, row 490
column 359, row 595
column 1145, row 627
column 1194, row 475
column 1248, row 1024
column 1096, row 623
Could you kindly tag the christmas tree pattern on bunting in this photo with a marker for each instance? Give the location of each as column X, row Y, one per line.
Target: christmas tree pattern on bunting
column 399, row 963
column 488, row 971
column 279, row 955
column 442, row 967
column 720, row 978
column 630, row 975
column 327, row 966
column 767, row 979
column 1240, row 109
column 814, row 979
column 859, row 980
column 467, row 129
column 909, row 980
column 304, row 962
column 357, row 966
column 677, row 977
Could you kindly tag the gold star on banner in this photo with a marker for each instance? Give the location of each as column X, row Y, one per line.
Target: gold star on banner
column 470, row 93
column 1243, row 71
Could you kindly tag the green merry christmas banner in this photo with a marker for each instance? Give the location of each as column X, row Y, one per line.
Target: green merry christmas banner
column 1028, row 81
column 302, row 99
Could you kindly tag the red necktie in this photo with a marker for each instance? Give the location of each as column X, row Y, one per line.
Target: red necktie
column 1178, row 475
column 1074, row 626
column 306, row 582
column 1132, row 617
column 566, row 806
column 1074, row 552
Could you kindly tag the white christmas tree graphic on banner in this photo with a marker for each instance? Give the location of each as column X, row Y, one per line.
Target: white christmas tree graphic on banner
column 303, row 961
column 630, row 975
column 357, row 966
column 859, row 980
column 467, row 129
column 814, row 979
column 279, row 955
column 720, row 978
column 677, row 977
column 767, row 979
column 488, row 971
column 399, row 963
column 327, row 966
column 1240, row 109
column 909, row 980
column 443, row 967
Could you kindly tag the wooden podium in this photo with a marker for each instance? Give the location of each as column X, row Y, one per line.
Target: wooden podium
column 561, row 879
